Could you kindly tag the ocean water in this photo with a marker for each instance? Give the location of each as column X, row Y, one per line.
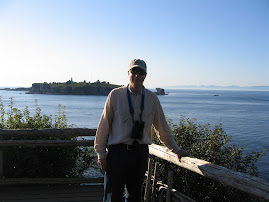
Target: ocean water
column 244, row 115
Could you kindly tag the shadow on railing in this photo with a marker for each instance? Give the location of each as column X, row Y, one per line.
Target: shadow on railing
column 241, row 181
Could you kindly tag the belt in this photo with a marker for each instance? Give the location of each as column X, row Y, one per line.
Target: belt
column 127, row 147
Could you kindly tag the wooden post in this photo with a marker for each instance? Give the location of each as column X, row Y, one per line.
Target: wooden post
column 147, row 189
column 161, row 194
column 170, row 185
column 1, row 165
column 1, row 162
column 155, row 179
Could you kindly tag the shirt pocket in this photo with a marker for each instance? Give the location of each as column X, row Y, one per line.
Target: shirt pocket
column 126, row 119
column 148, row 118
column 123, row 120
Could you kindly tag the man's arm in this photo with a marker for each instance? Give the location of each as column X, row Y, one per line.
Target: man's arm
column 102, row 164
column 101, row 138
column 164, row 133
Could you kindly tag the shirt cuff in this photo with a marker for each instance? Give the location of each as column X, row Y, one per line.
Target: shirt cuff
column 176, row 150
column 101, row 155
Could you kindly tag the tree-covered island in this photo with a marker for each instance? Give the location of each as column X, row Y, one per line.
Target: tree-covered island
column 73, row 88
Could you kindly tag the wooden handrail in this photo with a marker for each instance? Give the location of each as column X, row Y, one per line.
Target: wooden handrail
column 22, row 181
column 45, row 143
column 241, row 181
column 71, row 132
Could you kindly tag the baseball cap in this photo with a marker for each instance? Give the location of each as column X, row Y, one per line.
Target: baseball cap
column 138, row 63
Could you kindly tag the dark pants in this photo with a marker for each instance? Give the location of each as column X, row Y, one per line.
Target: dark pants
column 126, row 169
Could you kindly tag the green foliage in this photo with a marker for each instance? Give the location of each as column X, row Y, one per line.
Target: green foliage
column 213, row 145
column 41, row 161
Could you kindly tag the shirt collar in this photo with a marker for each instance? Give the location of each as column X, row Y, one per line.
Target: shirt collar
column 133, row 92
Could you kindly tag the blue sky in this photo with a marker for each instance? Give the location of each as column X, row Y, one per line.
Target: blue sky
column 184, row 42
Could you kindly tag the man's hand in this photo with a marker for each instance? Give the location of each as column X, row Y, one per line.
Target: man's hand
column 182, row 153
column 102, row 164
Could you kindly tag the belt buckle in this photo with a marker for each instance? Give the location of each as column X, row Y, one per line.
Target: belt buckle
column 130, row 147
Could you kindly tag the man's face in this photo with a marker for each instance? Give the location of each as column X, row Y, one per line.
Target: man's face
column 136, row 76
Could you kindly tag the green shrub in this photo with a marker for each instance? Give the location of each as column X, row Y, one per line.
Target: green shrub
column 41, row 161
column 213, row 145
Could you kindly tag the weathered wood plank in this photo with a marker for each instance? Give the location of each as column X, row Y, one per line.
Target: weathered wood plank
column 169, row 185
column 73, row 132
column 148, row 181
column 177, row 196
column 93, row 193
column 46, row 143
column 241, row 181
column 51, row 181
column 155, row 180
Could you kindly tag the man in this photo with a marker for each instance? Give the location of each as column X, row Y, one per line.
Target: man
column 125, row 131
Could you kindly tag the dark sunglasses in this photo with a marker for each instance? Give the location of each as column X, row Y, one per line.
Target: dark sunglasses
column 138, row 71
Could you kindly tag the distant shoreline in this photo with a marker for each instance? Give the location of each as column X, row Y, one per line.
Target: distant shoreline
column 190, row 87
column 16, row 88
column 212, row 87
column 68, row 88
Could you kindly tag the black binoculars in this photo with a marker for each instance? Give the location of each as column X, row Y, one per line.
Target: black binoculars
column 138, row 128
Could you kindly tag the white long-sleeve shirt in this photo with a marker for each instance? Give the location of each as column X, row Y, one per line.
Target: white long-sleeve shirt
column 116, row 122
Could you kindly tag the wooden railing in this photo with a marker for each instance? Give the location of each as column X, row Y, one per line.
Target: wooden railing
column 241, row 181
column 6, row 141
